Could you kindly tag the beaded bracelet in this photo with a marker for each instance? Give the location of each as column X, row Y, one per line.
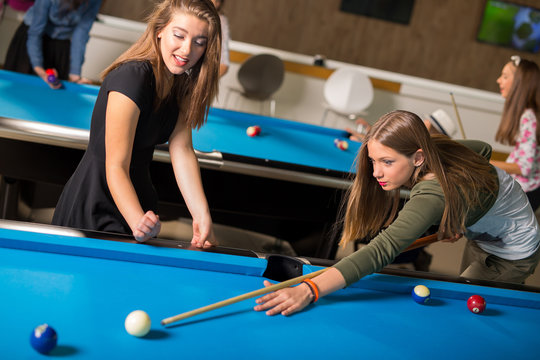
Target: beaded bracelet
column 313, row 288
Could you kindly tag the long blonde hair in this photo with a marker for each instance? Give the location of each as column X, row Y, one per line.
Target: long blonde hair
column 462, row 174
column 524, row 94
column 197, row 89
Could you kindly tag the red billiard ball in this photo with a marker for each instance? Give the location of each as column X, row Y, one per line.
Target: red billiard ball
column 43, row 339
column 253, row 130
column 476, row 304
column 341, row 144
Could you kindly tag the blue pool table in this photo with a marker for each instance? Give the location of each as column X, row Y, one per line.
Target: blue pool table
column 287, row 182
column 85, row 287
column 223, row 140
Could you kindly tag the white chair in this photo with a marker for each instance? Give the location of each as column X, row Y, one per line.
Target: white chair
column 347, row 92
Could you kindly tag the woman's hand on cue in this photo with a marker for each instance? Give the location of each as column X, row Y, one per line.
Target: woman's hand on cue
column 285, row 301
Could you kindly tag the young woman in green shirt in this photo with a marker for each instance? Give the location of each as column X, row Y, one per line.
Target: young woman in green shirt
column 452, row 185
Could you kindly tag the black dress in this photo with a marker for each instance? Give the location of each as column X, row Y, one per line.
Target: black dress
column 56, row 54
column 86, row 202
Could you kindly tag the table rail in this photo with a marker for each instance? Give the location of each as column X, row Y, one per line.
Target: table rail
column 74, row 138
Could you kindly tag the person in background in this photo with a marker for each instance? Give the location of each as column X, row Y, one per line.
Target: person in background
column 156, row 92
column 519, row 84
column 225, row 38
column 53, row 35
column 438, row 122
column 452, row 185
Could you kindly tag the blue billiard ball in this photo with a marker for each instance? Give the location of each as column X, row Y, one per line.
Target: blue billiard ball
column 421, row 294
column 51, row 76
column 43, row 339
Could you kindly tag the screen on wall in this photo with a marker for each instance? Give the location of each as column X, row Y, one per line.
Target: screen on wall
column 511, row 25
column 390, row 10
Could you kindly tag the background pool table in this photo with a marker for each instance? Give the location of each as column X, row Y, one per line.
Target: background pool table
column 85, row 288
column 287, row 182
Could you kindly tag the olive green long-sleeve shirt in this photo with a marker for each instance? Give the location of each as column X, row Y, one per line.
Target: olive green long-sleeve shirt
column 424, row 209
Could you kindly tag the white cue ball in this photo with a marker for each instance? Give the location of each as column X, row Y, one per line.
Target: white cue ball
column 138, row 323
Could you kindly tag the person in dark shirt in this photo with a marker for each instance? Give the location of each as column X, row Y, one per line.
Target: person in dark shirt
column 156, row 92
column 53, row 35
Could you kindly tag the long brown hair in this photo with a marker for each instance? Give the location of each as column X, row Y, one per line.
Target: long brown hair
column 524, row 94
column 462, row 174
column 197, row 89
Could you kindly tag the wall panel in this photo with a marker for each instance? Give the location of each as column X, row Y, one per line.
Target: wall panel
column 438, row 44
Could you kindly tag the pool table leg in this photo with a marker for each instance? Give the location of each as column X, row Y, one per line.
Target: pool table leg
column 9, row 190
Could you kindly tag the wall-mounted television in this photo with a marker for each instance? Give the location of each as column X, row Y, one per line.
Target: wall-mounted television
column 511, row 25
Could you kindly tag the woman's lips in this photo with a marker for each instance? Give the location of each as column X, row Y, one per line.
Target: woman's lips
column 180, row 61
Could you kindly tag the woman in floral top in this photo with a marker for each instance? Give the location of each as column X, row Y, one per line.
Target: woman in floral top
column 519, row 84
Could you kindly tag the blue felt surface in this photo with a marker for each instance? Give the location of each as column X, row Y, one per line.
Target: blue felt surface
column 27, row 97
column 279, row 140
column 86, row 299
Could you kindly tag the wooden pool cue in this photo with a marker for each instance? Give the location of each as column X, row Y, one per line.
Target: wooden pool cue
column 426, row 240
column 242, row 297
column 458, row 118
column 423, row 241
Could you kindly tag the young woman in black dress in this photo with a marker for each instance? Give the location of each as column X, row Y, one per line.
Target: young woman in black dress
column 157, row 91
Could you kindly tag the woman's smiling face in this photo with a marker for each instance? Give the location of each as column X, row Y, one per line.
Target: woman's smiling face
column 183, row 42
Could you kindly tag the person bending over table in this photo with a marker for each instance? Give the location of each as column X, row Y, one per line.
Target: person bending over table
column 155, row 92
column 53, row 35
column 438, row 122
column 451, row 186
column 520, row 86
